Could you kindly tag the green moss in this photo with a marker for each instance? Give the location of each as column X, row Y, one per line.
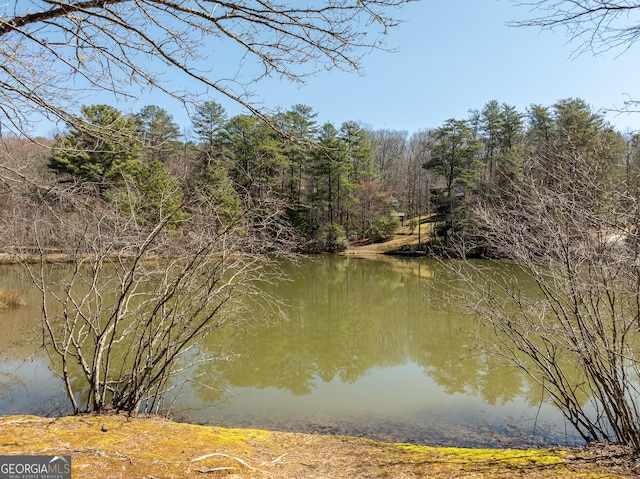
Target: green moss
column 514, row 457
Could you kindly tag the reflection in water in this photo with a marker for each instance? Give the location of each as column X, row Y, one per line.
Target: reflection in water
column 27, row 386
column 366, row 348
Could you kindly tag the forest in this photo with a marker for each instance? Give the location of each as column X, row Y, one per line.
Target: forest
column 330, row 185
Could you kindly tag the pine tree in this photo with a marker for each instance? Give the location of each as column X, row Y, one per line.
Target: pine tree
column 104, row 150
column 159, row 133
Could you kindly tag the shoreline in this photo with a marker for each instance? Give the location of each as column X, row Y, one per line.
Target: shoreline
column 118, row 446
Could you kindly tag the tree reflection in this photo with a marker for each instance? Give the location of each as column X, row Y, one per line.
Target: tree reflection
column 346, row 317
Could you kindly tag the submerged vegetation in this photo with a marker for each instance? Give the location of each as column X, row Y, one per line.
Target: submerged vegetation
column 10, row 299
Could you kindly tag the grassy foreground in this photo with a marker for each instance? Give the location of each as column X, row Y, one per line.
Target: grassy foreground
column 153, row 448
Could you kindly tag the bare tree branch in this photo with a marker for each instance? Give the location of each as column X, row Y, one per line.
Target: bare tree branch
column 595, row 26
column 54, row 54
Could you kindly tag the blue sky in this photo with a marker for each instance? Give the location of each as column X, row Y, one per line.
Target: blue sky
column 456, row 56
column 451, row 57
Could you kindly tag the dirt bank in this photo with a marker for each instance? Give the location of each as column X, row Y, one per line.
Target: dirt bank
column 151, row 448
column 405, row 237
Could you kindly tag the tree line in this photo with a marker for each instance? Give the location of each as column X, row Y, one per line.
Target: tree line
column 325, row 177
column 336, row 185
column 487, row 158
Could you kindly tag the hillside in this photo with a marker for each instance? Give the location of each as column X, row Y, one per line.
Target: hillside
column 404, row 238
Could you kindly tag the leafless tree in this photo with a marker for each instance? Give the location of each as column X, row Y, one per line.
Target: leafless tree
column 125, row 320
column 571, row 319
column 594, row 25
column 390, row 149
column 23, row 177
column 415, row 181
column 57, row 54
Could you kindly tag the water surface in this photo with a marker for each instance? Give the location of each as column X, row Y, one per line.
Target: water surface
column 364, row 347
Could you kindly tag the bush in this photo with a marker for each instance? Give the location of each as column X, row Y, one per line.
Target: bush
column 383, row 228
column 334, row 238
column 10, row 299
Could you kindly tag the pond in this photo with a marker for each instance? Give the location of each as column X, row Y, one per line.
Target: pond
column 368, row 347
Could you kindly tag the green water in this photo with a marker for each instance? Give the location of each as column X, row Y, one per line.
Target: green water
column 361, row 347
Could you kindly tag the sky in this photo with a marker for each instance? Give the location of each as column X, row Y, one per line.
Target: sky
column 451, row 57
column 457, row 56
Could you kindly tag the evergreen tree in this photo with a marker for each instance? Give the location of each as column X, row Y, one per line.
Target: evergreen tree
column 568, row 139
column 499, row 128
column 208, row 122
column 255, row 152
column 490, row 127
column 329, row 190
column 159, row 133
column 361, row 171
column 104, row 150
column 360, row 152
column 213, row 183
column 215, row 188
column 540, row 138
column 155, row 196
column 510, row 160
column 454, row 157
column 300, row 129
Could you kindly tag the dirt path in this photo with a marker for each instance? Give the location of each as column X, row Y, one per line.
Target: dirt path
column 404, row 237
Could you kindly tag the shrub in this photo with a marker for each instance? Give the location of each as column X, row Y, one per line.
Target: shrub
column 384, row 227
column 10, row 299
column 334, row 238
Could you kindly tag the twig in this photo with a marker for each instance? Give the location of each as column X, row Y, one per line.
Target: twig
column 276, row 460
column 241, row 461
column 215, row 469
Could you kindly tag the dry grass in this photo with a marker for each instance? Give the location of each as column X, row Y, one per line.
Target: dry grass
column 153, row 448
column 15, row 258
column 10, row 299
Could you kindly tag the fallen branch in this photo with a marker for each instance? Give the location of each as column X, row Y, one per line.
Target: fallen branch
column 215, row 469
column 275, row 461
column 241, row 461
